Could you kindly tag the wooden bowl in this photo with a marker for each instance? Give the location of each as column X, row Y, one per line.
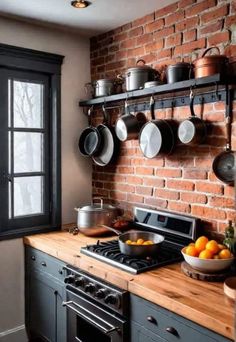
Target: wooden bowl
column 230, row 287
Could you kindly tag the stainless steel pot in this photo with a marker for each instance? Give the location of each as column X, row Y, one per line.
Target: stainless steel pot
column 102, row 87
column 136, row 77
column 91, row 218
column 179, row 72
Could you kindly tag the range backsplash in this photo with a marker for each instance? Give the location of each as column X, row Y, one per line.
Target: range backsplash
column 183, row 182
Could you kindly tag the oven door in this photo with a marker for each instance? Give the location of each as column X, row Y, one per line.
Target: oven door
column 88, row 322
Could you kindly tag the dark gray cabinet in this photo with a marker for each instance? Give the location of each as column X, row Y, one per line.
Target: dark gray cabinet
column 45, row 315
column 150, row 322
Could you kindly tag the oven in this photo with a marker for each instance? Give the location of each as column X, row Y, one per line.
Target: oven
column 96, row 311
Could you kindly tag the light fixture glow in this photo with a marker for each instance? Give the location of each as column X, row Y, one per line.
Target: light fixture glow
column 80, row 3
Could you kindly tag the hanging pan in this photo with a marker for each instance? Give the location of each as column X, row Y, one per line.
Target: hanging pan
column 156, row 136
column 90, row 138
column 224, row 163
column 192, row 130
column 110, row 143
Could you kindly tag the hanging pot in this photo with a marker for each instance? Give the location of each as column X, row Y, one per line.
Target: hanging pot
column 157, row 136
column 90, row 138
column 193, row 130
column 210, row 65
column 224, row 164
column 136, row 77
column 128, row 125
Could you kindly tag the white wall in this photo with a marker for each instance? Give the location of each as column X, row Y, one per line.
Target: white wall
column 76, row 170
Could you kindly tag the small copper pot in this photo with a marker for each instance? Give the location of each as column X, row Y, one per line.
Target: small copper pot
column 210, row 65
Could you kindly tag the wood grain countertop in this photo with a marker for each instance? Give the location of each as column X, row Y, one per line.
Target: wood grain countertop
column 202, row 302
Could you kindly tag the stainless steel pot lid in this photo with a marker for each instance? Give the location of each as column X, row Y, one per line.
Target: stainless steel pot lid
column 152, row 84
column 150, row 140
column 97, row 208
column 121, row 130
column 107, row 149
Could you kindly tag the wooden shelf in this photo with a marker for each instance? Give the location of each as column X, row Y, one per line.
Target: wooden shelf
column 161, row 89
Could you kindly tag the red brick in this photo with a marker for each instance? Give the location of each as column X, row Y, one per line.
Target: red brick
column 222, row 202
column 209, row 188
column 186, row 24
column 181, row 185
column 217, row 26
column 134, row 180
column 218, row 13
column 173, row 40
column 163, row 54
column 179, row 207
column 119, row 196
column 109, row 58
column 193, row 198
column 128, row 44
column 144, row 190
column 190, row 47
column 120, row 37
column 157, row 45
column 214, row 117
column 143, row 20
column 195, row 174
column 154, row 182
column 144, row 39
column 139, row 51
column 231, row 215
column 150, row 58
column 169, row 173
column 180, row 162
column 200, row 7
column 135, row 198
column 190, row 36
column 229, row 191
column 218, row 38
column 174, row 18
column 230, row 20
column 185, row 3
column 122, row 54
column 230, row 50
column 167, row 194
column 98, row 61
column 165, row 32
column 156, row 202
column 125, row 169
column 208, row 213
column 166, row 10
column 114, row 48
column 203, row 163
column 136, row 32
column 115, row 65
column 144, row 171
column 154, row 26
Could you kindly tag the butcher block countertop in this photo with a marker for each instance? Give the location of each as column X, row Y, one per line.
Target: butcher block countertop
column 202, row 302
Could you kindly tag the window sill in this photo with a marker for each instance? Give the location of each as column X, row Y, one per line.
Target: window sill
column 18, row 233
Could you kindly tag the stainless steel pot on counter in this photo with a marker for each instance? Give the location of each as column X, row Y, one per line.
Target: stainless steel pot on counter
column 91, row 218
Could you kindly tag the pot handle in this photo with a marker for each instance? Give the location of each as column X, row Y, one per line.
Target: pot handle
column 152, row 110
column 90, row 110
column 117, row 232
column 191, row 103
column 98, row 198
column 77, row 209
column 140, row 61
column 207, row 50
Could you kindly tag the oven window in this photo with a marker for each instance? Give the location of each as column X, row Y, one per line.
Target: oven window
column 88, row 333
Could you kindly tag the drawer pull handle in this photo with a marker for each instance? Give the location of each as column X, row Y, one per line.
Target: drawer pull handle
column 33, row 258
column 44, row 264
column 172, row 331
column 151, row 319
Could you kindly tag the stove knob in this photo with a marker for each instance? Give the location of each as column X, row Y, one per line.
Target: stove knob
column 111, row 299
column 70, row 279
column 100, row 294
column 90, row 288
column 80, row 281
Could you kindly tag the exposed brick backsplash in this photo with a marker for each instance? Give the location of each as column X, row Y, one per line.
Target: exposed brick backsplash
column 183, row 182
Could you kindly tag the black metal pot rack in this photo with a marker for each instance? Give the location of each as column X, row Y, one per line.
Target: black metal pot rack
column 168, row 95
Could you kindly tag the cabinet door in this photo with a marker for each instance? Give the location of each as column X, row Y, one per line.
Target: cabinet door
column 46, row 316
column 140, row 334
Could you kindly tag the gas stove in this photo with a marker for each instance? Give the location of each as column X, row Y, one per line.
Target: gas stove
column 178, row 230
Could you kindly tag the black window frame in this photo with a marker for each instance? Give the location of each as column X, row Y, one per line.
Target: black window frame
column 48, row 64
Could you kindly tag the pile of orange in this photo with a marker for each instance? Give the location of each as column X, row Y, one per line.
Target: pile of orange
column 205, row 249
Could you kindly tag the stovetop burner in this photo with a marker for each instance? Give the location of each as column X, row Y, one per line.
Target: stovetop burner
column 178, row 231
column 109, row 252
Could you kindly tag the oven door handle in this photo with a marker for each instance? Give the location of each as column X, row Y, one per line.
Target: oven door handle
column 90, row 317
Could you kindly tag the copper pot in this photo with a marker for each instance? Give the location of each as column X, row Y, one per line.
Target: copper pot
column 210, row 65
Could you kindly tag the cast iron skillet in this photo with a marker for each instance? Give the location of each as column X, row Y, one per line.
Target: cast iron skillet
column 193, row 130
column 90, row 138
column 109, row 148
column 156, row 136
column 224, row 163
column 139, row 251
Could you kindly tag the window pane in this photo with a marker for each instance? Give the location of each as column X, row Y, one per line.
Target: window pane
column 28, row 196
column 28, row 152
column 28, row 105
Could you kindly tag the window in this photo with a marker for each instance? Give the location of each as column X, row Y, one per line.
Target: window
column 29, row 141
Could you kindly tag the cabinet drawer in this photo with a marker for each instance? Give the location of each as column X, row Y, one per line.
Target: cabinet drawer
column 168, row 325
column 40, row 261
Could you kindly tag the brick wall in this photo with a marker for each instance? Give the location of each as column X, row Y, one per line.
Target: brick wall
column 183, row 182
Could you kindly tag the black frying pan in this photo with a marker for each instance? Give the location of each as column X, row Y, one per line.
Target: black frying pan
column 156, row 136
column 90, row 138
column 193, row 130
column 224, row 163
column 110, row 143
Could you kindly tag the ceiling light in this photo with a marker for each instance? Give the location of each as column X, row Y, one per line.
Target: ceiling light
column 80, row 3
